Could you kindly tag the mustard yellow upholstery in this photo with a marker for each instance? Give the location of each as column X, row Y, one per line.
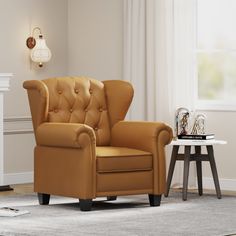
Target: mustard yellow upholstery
column 120, row 159
column 85, row 149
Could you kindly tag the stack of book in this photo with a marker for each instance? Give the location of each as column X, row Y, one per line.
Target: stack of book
column 196, row 136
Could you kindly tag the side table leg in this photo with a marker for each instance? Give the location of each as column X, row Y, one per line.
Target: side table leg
column 187, row 150
column 214, row 170
column 199, row 177
column 171, row 168
column 199, row 170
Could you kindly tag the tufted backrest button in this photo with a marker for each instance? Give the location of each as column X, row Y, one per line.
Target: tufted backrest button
column 90, row 91
column 86, row 110
column 60, row 92
column 76, row 91
column 100, row 109
column 71, row 110
column 96, row 128
column 55, row 110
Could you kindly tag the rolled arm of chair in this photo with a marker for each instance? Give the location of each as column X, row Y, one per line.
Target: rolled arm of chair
column 65, row 135
column 141, row 135
column 147, row 136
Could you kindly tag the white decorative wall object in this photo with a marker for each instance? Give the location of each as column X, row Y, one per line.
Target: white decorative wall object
column 4, row 86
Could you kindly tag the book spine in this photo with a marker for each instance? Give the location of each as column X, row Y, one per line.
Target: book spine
column 191, row 137
column 199, row 137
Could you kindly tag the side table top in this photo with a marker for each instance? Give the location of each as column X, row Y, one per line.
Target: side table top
column 185, row 142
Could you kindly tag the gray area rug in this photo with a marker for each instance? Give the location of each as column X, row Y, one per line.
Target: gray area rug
column 205, row 215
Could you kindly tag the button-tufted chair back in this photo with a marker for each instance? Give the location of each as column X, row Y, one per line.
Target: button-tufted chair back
column 81, row 100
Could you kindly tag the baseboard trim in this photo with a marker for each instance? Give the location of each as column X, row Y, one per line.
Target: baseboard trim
column 225, row 184
column 18, row 178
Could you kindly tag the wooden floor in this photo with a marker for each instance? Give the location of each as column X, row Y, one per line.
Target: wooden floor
column 28, row 188
column 19, row 189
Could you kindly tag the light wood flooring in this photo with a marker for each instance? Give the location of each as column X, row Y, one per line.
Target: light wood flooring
column 19, row 189
column 28, row 188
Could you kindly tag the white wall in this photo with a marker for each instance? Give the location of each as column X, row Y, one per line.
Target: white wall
column 223, row 125
column 95, row 38
column 92, row 35
column 17, row 19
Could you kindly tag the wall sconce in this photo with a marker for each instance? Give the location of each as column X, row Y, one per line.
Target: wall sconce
column 40, row 53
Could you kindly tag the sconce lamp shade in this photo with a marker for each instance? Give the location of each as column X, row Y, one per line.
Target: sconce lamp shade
column 40, row 53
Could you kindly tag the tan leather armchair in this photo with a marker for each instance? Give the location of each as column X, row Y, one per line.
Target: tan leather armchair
column 85, row 150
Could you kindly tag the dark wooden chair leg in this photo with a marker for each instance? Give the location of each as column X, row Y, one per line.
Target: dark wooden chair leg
column 187, row 151
column 199, row 170
column 154, row 200
column 111, row 198
column 85, row 204
column 43, row 198
column 214, row 170
column 171, row 169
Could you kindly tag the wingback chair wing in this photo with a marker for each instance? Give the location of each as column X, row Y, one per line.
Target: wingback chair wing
column 85, row 149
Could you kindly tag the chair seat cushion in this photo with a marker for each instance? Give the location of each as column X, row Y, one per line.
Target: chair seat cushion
column 121, row 159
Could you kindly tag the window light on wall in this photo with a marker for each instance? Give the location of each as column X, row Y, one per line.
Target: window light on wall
column 40, row 53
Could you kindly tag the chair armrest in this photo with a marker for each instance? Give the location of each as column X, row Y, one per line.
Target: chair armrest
column 141, row 135
column 147, row 136
column 65, row 135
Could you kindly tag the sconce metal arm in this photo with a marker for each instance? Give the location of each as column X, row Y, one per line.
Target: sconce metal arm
column 31, row 42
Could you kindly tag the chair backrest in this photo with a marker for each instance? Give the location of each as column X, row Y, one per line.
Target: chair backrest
column 84, row 100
